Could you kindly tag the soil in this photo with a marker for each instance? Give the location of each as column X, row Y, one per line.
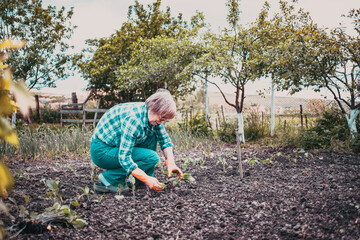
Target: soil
column 286, row 193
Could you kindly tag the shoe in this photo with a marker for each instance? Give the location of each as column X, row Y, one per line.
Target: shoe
column 101, row 188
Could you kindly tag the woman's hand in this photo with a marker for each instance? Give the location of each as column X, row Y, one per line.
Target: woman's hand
column 151, row 182
column 172, row 168
column 154, row 184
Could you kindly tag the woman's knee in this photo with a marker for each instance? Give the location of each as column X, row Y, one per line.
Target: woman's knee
column 154, row 157
column 147, row 156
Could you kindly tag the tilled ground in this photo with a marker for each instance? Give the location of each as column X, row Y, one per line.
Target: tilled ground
column 286, row 193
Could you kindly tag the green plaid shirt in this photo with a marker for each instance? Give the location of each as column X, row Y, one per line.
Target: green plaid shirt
column 125, row 126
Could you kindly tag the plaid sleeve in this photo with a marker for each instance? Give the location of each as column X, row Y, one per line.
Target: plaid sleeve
column 162, row 136
column 130, row 129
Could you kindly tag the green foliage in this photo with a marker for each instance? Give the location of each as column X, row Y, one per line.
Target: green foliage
column 160, row 62
column 227, row 133
column 49, row 115
column 223, row 163
column 355, row 143
column 305, row 55
column 44, row 59
column 48, row 142
column 197, row 124
column 177, row 182
column 254, row 127
column 100, row 63
column 327, row 133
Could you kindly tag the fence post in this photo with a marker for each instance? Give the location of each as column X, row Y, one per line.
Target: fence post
column 96, row 113
column 38, row 112
column 84, row 116
column 223, row 115
column 301, row 116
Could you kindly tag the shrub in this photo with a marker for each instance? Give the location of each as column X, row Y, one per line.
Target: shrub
column 226, row 132
column 355, row 144
column 254, row 128
column 329, row 132
column 48, row 115
column 197, row 125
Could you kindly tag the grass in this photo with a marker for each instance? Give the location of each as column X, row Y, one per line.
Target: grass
column 48, row 142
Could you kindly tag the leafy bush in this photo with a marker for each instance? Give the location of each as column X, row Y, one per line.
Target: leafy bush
column 254, row 128
column 355, row 144
column 48, row 115
column 226, row 132
column 197, row 124
column 329, row 132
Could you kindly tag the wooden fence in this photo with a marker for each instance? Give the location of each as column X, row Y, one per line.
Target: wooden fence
column 80, row 108
column 77, row 109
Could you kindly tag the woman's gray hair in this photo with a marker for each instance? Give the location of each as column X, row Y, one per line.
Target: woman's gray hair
column 162, row 103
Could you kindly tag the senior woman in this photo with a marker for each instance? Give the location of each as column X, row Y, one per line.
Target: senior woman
column 125, row 142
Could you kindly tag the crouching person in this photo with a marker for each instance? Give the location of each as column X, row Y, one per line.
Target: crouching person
column 125, row 142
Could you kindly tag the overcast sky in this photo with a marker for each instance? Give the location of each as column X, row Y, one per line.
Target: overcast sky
column 100, row 18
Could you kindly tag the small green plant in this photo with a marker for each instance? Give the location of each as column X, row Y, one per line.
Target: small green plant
column 175, row 181
column 132, row 181
column 92, row 171
column 224, row 163
column 253, row 161
column 60, row 214
column 53, row 186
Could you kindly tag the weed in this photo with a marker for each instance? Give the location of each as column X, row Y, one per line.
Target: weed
column 224, row 163
column 175, row 181
column 53, row 186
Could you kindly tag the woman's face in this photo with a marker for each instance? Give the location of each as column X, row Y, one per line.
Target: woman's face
column 154, row 118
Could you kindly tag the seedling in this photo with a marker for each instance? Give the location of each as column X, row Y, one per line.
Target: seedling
column 60, row 214
column 176, row 181
column 92, row 172
column 73, row 170
column 132, row 181
column 223, row 162
column 53, row 186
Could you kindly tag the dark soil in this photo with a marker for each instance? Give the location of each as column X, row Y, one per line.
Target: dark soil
column 286, row 193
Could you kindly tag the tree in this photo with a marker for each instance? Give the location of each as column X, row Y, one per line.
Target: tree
column 234, row 57
column 43, row 60
column 308, row 56
column 100, row 62
column 160, row 62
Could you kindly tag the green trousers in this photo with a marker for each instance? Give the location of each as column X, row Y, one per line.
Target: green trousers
column 106, row 157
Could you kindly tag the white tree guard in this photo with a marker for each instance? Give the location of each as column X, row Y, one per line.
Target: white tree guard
column 241, row 127
column 351, row 121
column 272, row 119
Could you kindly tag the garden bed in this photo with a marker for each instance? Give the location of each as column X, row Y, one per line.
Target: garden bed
column 286, row 193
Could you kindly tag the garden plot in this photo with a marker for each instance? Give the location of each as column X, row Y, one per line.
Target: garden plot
column 286, row 193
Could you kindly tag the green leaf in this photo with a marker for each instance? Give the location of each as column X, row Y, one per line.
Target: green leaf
column 75, row 204
column 79, row 223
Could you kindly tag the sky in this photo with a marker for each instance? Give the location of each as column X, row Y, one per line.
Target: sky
column 101, row 18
